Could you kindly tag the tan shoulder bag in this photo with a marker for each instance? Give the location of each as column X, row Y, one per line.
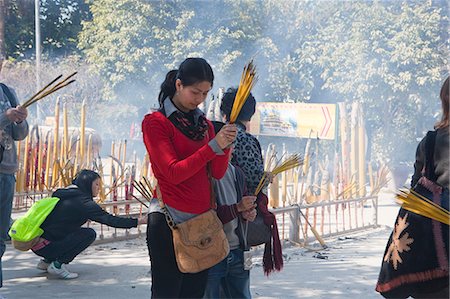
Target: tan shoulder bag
column 200, row 242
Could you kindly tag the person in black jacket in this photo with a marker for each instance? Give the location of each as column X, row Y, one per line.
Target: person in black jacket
column 64, row 238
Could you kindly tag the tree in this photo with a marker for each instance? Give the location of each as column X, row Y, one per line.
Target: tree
column 60, row 25
column 134, row 43
column 103, row 116
column 388, row 55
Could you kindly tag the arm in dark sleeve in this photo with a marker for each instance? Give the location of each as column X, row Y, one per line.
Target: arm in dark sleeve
column 20, row 131
column 96, row 213
column 226, row 213
column 419, row 164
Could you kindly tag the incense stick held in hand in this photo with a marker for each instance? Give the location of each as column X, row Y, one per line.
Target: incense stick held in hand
column 290, row 162
column 416, row 203
column 49, row 89
column 248, row 80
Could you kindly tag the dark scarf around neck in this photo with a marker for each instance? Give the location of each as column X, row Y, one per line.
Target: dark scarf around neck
column 194, row 130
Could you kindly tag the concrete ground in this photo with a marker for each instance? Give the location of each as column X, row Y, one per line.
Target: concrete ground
column 347, row 269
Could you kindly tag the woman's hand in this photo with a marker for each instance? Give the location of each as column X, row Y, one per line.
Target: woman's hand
column 226, row 135
column 246, row 203
column 249, row 215
column 142, row 220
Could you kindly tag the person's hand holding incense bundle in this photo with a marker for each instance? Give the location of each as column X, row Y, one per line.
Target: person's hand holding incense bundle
column 17, row 114
column 226, row 136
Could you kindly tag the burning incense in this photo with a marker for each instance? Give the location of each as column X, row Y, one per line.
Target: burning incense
column 144, row 188
column 48, row 89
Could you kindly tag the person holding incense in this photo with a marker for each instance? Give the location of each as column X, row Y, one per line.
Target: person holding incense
column 230, row 278
column 64, row 238
column 416, row 259
column 441, row 154
column 247, row 155
column 13, row 127
column 182, row 146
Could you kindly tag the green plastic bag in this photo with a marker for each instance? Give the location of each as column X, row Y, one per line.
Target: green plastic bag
column 27, row 228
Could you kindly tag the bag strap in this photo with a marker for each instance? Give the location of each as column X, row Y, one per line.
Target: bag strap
column 244, row 234
column 212, row 194
column 9, row 95
column 429, row 155
column 166, row 213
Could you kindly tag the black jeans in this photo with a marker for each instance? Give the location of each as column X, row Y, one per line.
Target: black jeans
column 65, row 250
column 167, row 280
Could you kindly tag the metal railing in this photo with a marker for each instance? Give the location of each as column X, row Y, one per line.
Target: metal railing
column 330, row 218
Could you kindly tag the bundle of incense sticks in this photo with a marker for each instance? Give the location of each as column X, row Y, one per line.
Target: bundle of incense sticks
column 290, row 162
column 49, row 89
column 248, row 80
column 419, row 204
column 144, row 188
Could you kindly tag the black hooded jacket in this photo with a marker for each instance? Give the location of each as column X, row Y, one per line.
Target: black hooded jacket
column 73, row 210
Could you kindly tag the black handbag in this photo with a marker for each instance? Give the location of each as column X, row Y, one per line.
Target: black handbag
column 257, row 232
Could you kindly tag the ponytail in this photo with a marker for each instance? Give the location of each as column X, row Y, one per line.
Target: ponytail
column 168, row 87
column 190, row 72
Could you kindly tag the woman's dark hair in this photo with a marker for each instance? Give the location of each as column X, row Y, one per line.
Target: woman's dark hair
column 84, row 180
column 247, row 110
column 445, row 105
column 190, row 72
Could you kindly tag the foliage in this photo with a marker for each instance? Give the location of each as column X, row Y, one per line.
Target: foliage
column 390, row 55
column 60, row 25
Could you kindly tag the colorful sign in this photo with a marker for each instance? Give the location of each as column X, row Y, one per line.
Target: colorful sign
column 294, row 120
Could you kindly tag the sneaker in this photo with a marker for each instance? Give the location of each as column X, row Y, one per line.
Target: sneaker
column 62, row 273
column 42, row 265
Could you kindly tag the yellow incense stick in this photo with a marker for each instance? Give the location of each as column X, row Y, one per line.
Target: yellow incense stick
column 248, row 80
column 290, row 162
column 416, row 203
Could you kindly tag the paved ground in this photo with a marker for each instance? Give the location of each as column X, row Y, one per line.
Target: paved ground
column 347, row 269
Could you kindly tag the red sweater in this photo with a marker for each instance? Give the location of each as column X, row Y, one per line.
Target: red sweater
column 179, row 164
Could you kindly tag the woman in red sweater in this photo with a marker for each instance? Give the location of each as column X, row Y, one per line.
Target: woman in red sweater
column 182, row 145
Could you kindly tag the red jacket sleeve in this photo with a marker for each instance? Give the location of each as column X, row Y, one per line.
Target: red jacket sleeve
column 219, row 164
column 157, row 139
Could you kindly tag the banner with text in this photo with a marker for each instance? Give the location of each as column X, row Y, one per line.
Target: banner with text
column 294, row 120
